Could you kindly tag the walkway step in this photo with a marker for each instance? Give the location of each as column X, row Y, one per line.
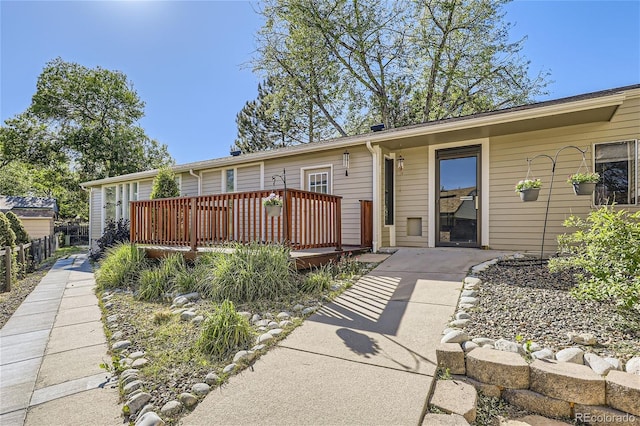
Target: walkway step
column 432, row 419
column 455, row 397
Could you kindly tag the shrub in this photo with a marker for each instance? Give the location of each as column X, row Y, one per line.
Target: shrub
column 22, row 237
column 225, row 332
column 121, row 267
column 7, row 236
column 347, row 267
column 156, row 282
column 114, row 233
column 252, row 272
column 164, row 184
column 198, row 277
column 606, row 247
column 317, row 281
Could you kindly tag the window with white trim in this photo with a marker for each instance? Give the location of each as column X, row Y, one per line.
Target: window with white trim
column 318, row 182
column 230, row 175
column 116, row 200
column 617, row 164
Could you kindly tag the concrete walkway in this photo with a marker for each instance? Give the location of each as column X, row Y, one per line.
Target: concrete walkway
column 368, row 358
column 50, row 352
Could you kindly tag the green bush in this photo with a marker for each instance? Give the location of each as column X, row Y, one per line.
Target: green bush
column 252, row 272
column 225, row 332
column 22, row 237
column 7, row 236
column 157, row 281
column 121, row 267
column 198, row 277
column 114, row 233
column 606, row 248
column 165, row 185
column 317, row 281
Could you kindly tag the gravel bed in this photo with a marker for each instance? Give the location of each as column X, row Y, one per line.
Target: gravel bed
column 10, row 301
column 520, row 299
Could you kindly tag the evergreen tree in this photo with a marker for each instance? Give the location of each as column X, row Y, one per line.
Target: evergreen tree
column 165, row 185
column 21, row 235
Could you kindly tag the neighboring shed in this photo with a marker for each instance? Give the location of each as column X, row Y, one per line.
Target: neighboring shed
column 36, row 213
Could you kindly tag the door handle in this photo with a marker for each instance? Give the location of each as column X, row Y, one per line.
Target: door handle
column 476, row 197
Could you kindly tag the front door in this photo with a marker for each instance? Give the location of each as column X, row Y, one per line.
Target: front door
column 457, row 200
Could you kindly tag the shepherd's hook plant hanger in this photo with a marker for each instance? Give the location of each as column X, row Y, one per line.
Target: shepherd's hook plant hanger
column 283, row 178
column 554, row 161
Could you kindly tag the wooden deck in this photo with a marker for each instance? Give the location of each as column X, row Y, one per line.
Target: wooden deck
column 304, row 259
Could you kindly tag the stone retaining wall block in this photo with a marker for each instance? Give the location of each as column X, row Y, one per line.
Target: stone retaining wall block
column 567, row 381
column 451, row 356
column 604, row 416
column 506, row 369
column 623, row 391
column 536, row 403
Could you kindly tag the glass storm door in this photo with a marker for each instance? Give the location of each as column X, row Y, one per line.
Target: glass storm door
column 457, row 201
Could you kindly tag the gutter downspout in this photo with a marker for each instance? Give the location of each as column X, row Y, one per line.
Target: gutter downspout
column 199, row 181
column 375, row 178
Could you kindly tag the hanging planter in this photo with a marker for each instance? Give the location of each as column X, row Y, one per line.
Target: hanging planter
column 273, row 205
column 584, row 183
column 529, row 189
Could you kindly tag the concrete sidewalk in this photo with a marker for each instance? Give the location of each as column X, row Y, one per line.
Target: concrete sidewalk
column 368, row 358
column 50, row 352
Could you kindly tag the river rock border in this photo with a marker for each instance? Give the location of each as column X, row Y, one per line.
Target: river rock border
column 269, row 328
column 569, row 383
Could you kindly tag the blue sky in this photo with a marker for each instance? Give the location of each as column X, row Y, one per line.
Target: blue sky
column 188, row 60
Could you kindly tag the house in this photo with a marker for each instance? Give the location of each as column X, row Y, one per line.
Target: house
column 36, row 213
column 444, row 183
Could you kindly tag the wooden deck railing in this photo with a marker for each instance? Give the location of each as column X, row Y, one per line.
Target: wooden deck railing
column 308, row 220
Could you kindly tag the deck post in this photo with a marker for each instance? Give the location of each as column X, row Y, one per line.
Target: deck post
column 194, row 226
column 338, row 220
column 132, row 222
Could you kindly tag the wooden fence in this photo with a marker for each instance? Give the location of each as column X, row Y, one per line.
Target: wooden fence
column 307, row 220
column 73, row 233
column 28, row 257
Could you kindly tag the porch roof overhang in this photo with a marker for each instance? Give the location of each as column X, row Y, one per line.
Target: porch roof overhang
column 582, row 109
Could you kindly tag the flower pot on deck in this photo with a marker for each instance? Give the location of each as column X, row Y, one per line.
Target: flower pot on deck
column 273, row 211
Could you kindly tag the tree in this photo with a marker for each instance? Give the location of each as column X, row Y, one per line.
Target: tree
column 367, row 61
column 165, row 185
column 7, row 236
column 22, row 237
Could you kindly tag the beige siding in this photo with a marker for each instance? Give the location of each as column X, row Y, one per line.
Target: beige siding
column 96, row 215
column 515, row 225
column 412, row 196
column 248, row 178
column 357, row 186
column 37, row 227
column 188, row 185
column 211, row 182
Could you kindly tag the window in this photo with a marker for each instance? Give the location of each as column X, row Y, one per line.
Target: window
column 230, row 175
column 116, row 200
column 110, row 203
column 319, row 182
column 617, row 164
column 388, row 190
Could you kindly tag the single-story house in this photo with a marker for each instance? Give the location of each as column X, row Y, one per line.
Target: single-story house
column 36, row 213
column 444, row 183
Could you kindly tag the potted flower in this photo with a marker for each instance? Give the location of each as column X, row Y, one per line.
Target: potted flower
column 584, row 183
column 529, row 189
column 273, row 205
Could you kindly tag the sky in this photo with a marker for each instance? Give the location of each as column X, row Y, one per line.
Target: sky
column 190, row 60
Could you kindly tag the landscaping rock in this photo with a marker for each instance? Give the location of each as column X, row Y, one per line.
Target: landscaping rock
column 462, row 315
column 192, row 296
column 171, row 408
column 126, row 361
column 285, row 324
column 469, row 293
column 483, row 341
column 136, row 402
column 451, row 356
column 536, row 403
column 122, row 344
column 136, row 355
column 531, row 347
column 623, row 392
column 472, row 281
column 262, row 323
column 586, row 339
column 272, row 325
column 455, row 336
column 187, row 315
column 129, row 379
column 117, row 335
column 197, row 320
column 245, row 314
column 468, row 301
column 108, row 305
column 150, row 419
column 243, row 355
column 506, row 369
column 597, row 364
column 469, row 346
column 129, row 372
column 567, row 381
column 309, row 310
column 459, row 323
column 455, row 397
column 257, row 348
column 132, row 386
column 140, row 362
column 200, row 389
column 212, row 379
column 283, row 316
column 178, row 311
column 146, row 409
column 275, row 332
column 449, row 330
column 187, row 399
column 229, row 368
column 508, row 346
column 466, row 306
column 255, row 318
column 545, row 353
column 574, row 355
column 633, row 366
column 298, row 308
column 264, row 338
column 615, row 363
column 180, row 301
